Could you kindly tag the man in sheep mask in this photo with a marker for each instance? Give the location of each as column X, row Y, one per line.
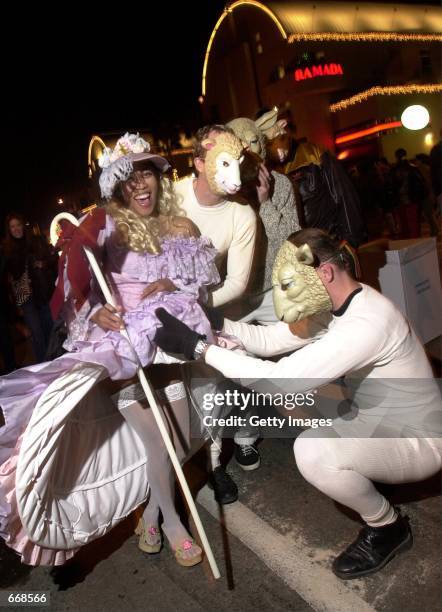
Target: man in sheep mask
column 210, row 201
column 333, row 327
column 274, row 201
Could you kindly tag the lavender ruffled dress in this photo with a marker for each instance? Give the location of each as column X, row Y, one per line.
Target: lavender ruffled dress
column 70, row 465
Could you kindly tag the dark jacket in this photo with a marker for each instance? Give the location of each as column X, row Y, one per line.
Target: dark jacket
column 330, row 201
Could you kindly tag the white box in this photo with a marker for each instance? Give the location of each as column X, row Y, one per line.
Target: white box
column 411, row 280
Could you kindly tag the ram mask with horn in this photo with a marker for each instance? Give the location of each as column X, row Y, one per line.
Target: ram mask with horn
column 298, row 292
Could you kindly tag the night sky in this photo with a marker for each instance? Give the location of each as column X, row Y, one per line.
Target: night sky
column 134, row 68
column 129, row 71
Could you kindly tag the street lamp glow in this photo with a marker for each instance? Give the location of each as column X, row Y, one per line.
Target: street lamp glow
column 60, row 201
column 415, row 117
column 429, row 139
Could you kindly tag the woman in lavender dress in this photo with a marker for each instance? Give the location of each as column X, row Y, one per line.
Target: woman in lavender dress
column 152, row 256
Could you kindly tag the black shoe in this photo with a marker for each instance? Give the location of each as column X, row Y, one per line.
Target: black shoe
column 374, row 548
column 247, row 457
column 226, row 491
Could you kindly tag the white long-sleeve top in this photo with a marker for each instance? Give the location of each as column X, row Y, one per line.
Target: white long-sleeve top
column 370, row 341
column 232, row 229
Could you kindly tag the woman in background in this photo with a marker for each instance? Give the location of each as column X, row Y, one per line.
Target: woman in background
column 30, row 269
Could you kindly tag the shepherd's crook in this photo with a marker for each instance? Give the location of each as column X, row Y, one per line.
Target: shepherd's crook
column 148, row 390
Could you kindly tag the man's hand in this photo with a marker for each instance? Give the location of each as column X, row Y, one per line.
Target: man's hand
column 106, row 318
column 164, row 284
column 175, row 336
column 264, row 180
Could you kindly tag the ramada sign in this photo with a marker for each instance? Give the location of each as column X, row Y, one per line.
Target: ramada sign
column 301, row 74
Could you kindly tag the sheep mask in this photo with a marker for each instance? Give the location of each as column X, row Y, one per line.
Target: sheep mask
column 298, row 292
column 222, row 161
column 255, row 134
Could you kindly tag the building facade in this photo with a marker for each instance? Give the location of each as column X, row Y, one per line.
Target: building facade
column 344, row 71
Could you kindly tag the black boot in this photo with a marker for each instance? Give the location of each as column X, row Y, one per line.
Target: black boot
column 374, row 548
column 226, row 491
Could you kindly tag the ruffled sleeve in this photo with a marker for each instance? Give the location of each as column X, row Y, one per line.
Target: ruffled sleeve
column 79, row 323
column 191, row 264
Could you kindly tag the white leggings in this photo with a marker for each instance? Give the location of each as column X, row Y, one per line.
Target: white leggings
column 343, row 468
column 160, row 476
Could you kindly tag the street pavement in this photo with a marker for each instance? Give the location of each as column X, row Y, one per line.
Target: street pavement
column 274, row 548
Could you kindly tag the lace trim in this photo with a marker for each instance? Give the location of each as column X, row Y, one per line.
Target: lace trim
column 134, row 393
column 127, row 396
column 173, row 393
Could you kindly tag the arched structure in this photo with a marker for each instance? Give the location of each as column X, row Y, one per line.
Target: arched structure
column 95, row 150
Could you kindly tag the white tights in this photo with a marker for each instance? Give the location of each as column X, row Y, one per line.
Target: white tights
column 343, row 468
column 160, row 474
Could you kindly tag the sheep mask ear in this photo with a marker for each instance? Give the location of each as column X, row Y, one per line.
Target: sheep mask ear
column 270, row 125
column 208, row 144
column 304, row 255
column 277, row 130
column 298, row 292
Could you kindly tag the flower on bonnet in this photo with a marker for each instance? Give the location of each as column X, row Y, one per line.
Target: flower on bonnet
column 129, row 143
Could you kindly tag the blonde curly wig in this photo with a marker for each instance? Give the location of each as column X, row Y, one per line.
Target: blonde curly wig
column 142, row 234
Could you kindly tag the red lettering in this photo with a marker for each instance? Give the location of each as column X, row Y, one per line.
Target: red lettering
column 314, row 71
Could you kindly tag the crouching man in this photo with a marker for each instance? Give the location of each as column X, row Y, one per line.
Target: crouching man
column 396, row 433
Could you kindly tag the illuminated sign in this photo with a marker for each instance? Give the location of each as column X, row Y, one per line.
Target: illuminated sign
column 302, row 74
column 373, row 130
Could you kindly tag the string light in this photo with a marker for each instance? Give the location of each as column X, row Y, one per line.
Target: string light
column 385, row 91
column 363, row 37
